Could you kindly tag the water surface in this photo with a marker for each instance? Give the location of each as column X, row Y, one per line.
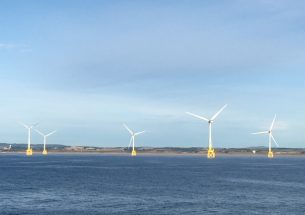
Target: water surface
column 99, row 184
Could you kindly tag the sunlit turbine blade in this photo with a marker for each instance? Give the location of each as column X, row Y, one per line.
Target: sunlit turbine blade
column 39, row 132
column 24, row 125
column 263, row 132
column 50, row 133
column 274, row 141
column 128, row 129
column 139, row 133
column 216, row 114
column 272, row 124
column 199, row 117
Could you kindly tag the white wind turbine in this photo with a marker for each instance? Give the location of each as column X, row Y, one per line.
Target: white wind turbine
column 132, row 139
column 44, row 152
column 269, row 132
column 211, row 152
column 29, row 150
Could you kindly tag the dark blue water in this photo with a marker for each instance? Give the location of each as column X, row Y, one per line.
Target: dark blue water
column 97, row 184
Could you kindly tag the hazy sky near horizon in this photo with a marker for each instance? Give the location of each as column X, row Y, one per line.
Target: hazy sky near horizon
column 84, row 68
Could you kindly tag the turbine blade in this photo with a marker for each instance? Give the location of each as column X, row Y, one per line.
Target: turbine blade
column 216, row 114
column 50, row 133
column 274, row 141
column 141, row 132
column 272, row 124
column 128, row 129
column 39, row 132
column 129, row 143
column 263, row 132
column 199, row 117
column 24, row 125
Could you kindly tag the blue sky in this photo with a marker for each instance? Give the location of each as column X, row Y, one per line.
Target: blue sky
column 85, row 68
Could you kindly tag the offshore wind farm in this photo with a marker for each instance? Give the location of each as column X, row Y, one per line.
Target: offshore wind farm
column 210, row 150
column 152, row 107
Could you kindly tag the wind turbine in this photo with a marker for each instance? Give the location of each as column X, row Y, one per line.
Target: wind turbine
column 29, row 150
column 132, row 139
column 211, row 151
column 44, row 152
column 269, row 132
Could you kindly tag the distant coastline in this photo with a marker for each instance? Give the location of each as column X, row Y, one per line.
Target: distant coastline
column 167, row 151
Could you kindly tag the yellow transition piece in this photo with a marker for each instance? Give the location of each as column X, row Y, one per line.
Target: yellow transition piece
column 211, row 153
column 270, row 154
column 29, row 152
column 133, row 153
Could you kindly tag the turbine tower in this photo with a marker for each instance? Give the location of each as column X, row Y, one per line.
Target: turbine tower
column 132, row 139
column 44, row 152
column 29, row 150
column 211, row 151
column 269, row 132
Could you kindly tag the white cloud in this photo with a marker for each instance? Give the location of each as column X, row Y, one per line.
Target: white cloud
column 17, row 47
column 7, row 46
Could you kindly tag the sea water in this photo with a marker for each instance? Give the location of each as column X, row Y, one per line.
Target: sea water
column 104, row 184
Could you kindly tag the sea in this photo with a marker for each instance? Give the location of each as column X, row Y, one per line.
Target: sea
column 62, row 184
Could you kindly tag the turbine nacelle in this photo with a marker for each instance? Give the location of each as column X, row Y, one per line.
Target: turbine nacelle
column 28, row 126
column 43, row 134
column 211, row 120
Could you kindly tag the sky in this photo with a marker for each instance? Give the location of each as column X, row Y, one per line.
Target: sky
column 85, row 68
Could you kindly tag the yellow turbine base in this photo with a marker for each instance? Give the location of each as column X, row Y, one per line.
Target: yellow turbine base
column 44, row 152
column 270, row 154
column 29, row 152
column 134, row 153
column 211, row 153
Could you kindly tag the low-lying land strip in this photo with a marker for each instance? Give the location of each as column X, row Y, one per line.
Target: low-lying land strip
column 5, row 148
